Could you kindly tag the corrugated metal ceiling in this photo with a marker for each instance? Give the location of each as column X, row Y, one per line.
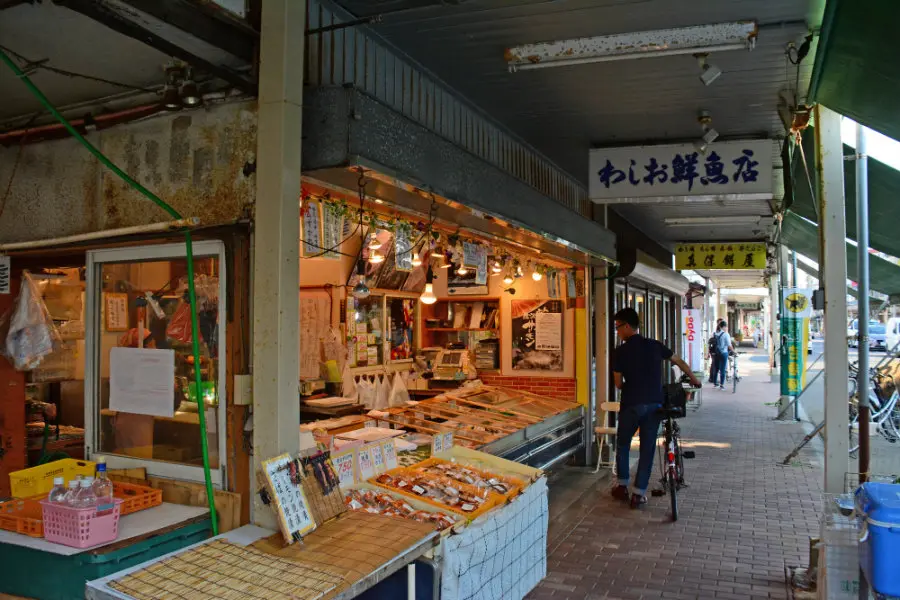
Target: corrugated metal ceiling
column 564, row 111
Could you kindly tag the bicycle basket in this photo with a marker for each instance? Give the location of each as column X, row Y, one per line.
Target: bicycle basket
column 675, row 400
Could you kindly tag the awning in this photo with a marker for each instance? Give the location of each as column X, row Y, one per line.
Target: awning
column 652, row 272
column 803, row 236
column 856, row 72
column 884, row 190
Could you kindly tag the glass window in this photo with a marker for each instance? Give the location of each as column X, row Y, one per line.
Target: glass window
column 140, row 301
column 368, row 321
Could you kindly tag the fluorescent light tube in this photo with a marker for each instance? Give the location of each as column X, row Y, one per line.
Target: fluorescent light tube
column 698, row 221
column 698, row 39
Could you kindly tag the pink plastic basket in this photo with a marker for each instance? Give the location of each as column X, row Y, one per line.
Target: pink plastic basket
column 80, row 527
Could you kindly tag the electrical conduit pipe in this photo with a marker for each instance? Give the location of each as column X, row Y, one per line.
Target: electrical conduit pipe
column 192, row 295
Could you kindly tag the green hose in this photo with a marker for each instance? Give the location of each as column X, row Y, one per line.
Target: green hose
column 192, row 295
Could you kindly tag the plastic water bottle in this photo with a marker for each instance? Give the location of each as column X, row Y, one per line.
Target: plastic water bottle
column 85, row 497
column 103, row 487
column 74, row 487
column 58, row 493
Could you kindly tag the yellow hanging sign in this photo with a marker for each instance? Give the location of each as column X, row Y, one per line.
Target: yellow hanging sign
column 730, row 255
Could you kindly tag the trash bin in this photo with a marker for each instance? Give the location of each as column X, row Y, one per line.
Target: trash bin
column 878, row 506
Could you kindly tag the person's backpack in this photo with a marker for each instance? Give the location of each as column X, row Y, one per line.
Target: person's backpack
column 713, row 346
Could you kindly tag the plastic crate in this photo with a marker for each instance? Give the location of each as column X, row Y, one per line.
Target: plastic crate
column 22, row 515
column 38, row 481
column 136, row 497
column 841, row 572
column 878, row 505
column 80, row 527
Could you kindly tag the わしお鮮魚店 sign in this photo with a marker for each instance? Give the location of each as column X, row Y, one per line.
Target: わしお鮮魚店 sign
column 730, row 255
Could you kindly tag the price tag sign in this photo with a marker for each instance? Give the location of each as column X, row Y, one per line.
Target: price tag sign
column 343, row 466
column 366, row 464
column 390, row 455
column 448, row 440
column 4, row 275
column 437, row 444
column 378, row 459
column 370, row 423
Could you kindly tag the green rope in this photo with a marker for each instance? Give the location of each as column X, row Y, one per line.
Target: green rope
column 189, row 247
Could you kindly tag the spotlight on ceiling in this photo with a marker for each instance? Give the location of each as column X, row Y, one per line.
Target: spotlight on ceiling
column 709, row 136
column 708, row 72
column 190, row 93
column 171, row 99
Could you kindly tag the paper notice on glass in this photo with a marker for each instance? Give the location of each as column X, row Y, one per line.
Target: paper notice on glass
column 142, row 381
column 548, row 331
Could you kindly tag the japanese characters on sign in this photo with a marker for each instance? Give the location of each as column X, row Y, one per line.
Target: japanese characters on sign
column 739, row 167
column 291, row 505
column 730, row 255
column 795, row 333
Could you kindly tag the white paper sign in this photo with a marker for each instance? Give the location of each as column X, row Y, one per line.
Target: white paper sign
column 343, row 466
column 4, row 274
column 447, row 442
column 365, row 464
column 142, row 381
column 548, row 331
column 437, row 443
column 738, row 167
column 390, row 455
column 693, row 343
column 378, row 459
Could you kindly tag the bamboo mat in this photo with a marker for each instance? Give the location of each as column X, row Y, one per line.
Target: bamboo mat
column 354, row 544
column 221, row 570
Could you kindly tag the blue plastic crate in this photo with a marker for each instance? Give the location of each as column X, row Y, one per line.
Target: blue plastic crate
column 879, row 506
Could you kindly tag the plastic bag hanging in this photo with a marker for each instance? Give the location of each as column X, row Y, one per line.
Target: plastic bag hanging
column 30, row 332
column 399, row 395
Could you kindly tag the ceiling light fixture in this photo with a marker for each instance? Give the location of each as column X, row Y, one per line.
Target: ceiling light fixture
column 462, row 270
column 361, row 290
column 374, row 244
column 508, row 280
column 190, row 93
column 497, row 268
column 171, row 99
column 416, row 260
column 428, row 296
column 375, row 258
column 708, row 72
column 723, row 220
column 700, row 39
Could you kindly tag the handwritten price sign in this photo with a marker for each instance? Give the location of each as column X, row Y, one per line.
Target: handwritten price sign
column 378, row 459
column 390, row 455
column 366, row 465
column 343, row 466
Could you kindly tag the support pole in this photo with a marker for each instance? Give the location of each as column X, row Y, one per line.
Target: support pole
column 862, row 265
column 276, row 269
column 602, row 320
column 832, row 220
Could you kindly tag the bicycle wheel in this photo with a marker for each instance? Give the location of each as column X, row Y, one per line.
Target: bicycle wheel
column 734, row 380
column 673, row 493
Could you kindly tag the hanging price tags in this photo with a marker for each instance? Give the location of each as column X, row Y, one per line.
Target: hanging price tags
column 390, row 455
column 365, row 464
column 377, row 459
column 343, row 466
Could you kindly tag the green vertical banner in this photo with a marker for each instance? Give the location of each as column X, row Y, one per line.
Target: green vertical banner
column 795, row 336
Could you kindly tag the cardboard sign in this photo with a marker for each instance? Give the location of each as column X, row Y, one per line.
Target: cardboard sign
column 390, row 455
column 291, row 505
column 343, row 463
column 365, row 463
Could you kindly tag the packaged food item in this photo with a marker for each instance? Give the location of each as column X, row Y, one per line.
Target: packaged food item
column 384, row 503
column 503, row 485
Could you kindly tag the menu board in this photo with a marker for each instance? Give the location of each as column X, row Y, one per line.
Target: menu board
column 332, row 231
column 312, row 229
column 291, row 505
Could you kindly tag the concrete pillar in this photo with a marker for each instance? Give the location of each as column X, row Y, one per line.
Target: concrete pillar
column 276, row 268
column 833, row 264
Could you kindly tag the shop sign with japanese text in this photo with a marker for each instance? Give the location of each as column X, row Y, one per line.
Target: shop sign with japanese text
column 729, row 255
column 795, row 339
column 740, row 167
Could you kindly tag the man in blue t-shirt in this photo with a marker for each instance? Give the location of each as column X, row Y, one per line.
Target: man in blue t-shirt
column 638, row 372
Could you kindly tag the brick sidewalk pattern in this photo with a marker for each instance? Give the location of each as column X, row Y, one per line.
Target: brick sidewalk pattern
column 743, row 518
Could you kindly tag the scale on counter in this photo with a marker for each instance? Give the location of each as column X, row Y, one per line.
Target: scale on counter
column 448, row 364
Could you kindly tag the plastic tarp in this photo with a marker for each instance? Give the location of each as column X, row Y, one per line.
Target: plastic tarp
column 502, row 554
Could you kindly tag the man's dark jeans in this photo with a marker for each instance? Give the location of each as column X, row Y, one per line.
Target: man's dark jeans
column 721, row 368
column 647, row 417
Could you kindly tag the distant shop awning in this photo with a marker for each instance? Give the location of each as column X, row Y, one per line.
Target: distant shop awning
column 884, row 193
column 803, row 236
column 856, row 72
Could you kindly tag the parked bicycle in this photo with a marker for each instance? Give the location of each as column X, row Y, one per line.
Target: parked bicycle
column 671, row 456
column 735, row 375
column 884, row 403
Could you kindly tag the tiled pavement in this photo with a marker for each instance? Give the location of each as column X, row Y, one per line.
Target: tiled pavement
column 742, row 519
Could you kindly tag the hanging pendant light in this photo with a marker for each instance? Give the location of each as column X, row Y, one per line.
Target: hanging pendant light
column 361, row 290
column 447, row 262
column 508, row 280
column 536, row 274
column 462, row 270
column 374, row 244
column 497, row 267
column 416, row 260
column 375, row 258
column 428, row 296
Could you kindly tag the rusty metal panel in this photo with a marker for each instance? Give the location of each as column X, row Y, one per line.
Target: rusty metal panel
column 193, row 160
column 354, row 56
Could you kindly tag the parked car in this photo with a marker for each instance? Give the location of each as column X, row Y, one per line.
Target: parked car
column 892, row 337
column 877, row 337
column 853, row 331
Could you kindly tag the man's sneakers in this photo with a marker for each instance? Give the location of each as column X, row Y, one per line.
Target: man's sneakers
column 637, row 501
column 620, row 492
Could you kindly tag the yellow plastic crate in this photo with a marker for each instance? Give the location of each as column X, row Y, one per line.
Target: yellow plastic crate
column 38, row 480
